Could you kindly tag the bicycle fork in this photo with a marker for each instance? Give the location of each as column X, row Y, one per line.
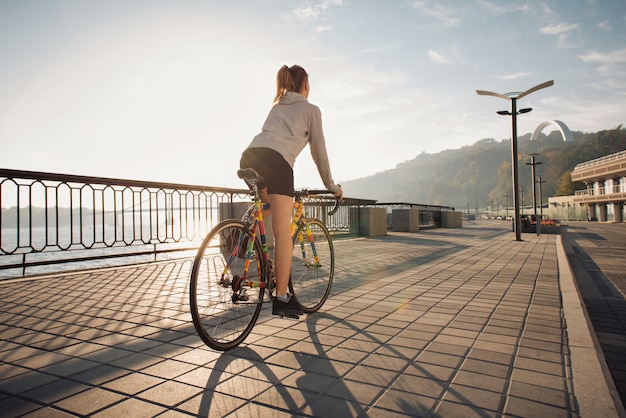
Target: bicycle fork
column 306, row 260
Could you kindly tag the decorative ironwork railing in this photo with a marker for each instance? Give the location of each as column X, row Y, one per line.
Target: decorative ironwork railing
column 50, row 219
column 53, row 222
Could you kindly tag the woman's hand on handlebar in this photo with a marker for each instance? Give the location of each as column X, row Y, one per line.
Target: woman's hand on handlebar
column 339, row 194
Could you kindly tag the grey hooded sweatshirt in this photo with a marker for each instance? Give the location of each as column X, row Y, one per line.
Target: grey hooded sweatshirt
column 291, row 124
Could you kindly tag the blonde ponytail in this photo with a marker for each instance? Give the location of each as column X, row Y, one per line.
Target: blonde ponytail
column 289, row 79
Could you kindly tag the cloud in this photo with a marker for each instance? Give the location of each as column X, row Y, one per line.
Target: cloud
column 315, row 12
column 442, row 15
column 515, row 76
column 306, row 13
column 497, row 8
column 437, row 57
column 451, row 57
column 613, row 57
column 320, row 29
column 562, row 31
column 558, row 28
column 605, row 25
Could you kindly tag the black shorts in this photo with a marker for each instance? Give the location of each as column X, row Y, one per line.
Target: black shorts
column 270, row 165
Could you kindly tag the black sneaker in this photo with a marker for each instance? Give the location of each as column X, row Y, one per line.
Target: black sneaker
column 290, row 309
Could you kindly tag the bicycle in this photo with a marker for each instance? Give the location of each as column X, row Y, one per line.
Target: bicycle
column 233, row 269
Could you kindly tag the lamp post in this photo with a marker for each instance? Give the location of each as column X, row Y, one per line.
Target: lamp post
column 506, row 196
column 532, row 163
column 539, row 180
column 513, row 97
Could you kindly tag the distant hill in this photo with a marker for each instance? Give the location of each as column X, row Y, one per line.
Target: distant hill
column 480, row 175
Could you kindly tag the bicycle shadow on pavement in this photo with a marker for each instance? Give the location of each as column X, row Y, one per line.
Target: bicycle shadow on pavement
column 316, row 381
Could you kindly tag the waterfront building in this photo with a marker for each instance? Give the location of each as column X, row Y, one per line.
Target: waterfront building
column 605, row 194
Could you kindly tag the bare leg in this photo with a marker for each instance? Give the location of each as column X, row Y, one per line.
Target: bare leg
column 281, row 207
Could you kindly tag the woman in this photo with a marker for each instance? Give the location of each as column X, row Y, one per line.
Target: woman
column 292, row 123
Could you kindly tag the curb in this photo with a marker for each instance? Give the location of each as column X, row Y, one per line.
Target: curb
column 594, row 388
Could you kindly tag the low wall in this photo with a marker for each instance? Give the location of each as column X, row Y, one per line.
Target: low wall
column 368, row 221
column 405, row 220
column 451, row 220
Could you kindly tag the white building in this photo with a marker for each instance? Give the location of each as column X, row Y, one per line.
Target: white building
column 605, row 195
column 565, row 209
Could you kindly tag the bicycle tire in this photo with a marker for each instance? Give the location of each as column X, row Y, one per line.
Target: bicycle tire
column 222, row 322
column 311, row 281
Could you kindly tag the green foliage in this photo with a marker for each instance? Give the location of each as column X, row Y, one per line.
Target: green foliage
column 568, row 187
column 480, row 174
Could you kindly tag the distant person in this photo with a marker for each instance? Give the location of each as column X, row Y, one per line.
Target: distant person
column 292, row 123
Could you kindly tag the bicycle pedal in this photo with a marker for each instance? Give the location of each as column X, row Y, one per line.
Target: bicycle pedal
column 296, row 317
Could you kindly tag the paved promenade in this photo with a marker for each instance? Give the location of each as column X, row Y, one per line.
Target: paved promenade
column 441, row 323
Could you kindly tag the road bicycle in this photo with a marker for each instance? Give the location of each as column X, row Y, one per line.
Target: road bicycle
column 233, row 269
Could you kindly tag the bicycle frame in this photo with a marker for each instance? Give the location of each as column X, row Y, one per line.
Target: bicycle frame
column 254, row 218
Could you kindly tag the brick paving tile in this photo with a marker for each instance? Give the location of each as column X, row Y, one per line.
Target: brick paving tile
column 50, row 393
column 132, row 384
column 538, row 393
column 26, row 381
column 480, row 381
column 169, row 393
column 399, row 402
column 479, row 398
column 135, row 408
column 453, row 409
column 48, row 412
column 517, row 407
column 89, row 401
column 209, row 405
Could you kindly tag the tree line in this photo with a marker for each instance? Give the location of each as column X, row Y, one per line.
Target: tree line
column 479, row 175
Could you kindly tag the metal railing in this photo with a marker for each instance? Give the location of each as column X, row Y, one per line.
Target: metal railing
column 51, row 219
column 615, row 189
column 607, row 158
column 429, row 215
column 56, row 222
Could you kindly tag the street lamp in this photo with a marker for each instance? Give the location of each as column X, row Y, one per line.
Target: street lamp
column 533, row 164
column 513, row 97
column 540, row 181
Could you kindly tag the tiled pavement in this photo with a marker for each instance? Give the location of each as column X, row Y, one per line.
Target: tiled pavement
column 442, row 323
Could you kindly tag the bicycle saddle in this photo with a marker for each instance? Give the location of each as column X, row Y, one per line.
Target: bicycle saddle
column 250, row 176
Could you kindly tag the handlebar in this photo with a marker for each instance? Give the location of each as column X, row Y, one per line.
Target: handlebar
column 306, row 193
column 252, row 179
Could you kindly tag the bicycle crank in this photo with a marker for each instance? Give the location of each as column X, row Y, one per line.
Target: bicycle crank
column 239, row 293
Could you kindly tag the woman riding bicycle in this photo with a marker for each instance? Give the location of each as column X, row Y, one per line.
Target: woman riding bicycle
column 292, row 123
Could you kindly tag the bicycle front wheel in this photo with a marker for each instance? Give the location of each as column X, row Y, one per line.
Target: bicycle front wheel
column 312, row 266
column 225, row 301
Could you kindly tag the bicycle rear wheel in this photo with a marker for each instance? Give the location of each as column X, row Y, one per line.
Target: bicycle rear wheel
column 313, row 265
column 223, row 307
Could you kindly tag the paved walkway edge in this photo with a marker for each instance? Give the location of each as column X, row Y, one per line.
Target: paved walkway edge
column 594, row 388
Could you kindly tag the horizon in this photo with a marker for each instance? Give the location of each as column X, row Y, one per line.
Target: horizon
column 545, row 132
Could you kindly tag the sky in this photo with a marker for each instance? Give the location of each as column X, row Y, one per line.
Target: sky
column 174, row 91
